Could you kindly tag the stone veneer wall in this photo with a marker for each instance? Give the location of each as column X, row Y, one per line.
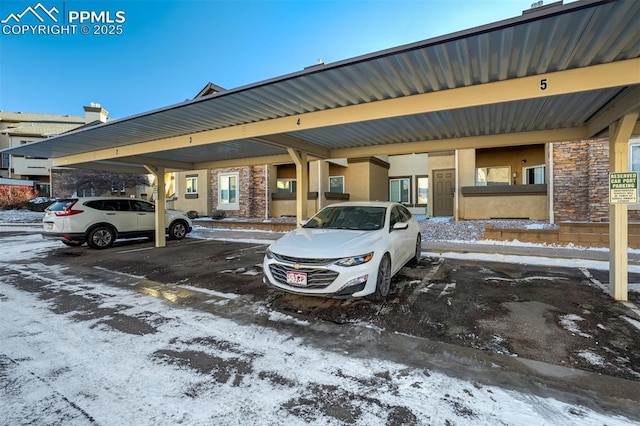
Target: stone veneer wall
column 251, row 191
column 570, row 181
column 581, row 182
column 61, row 179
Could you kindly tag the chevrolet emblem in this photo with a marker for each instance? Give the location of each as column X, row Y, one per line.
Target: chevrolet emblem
column 296, row 266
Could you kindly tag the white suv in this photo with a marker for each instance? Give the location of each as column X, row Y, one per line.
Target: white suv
column 99, row 221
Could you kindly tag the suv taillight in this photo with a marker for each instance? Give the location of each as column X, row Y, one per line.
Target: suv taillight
column 68, row 212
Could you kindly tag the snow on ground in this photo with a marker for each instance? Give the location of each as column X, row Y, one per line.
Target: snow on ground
column 56, row 368
column 59, row 369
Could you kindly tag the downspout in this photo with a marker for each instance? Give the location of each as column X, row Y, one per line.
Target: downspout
column 319, row 185
column 266, row 191
column 552, row 216
column 456, row 213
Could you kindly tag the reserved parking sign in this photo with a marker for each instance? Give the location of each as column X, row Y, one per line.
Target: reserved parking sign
column 623, row 188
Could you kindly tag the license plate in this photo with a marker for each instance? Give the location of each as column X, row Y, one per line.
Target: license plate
column 296, row 278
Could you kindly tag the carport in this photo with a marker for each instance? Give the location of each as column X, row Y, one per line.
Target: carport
column 556, row 73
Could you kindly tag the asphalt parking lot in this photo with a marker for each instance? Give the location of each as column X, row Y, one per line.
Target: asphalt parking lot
column 533, row 312
column 555, row 325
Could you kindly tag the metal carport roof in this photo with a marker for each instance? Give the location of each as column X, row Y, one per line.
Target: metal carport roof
column 599, row 38
column 566, row 72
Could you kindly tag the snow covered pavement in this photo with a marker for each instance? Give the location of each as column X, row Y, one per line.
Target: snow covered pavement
column 79, row 351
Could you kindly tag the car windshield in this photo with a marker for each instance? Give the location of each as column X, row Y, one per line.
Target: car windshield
column 360, row 218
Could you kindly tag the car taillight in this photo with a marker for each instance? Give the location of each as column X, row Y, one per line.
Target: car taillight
column 68, row 212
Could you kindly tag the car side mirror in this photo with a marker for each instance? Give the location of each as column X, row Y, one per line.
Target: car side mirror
column 400, row 225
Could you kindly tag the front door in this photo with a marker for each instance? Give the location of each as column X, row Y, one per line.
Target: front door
column 443, row 185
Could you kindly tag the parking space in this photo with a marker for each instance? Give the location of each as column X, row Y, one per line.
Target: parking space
column 559, row 316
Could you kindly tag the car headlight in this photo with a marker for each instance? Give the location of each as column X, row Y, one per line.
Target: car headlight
column 268, row 254
column 355, row 260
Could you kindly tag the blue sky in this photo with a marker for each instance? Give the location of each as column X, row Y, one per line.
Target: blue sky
column 168, row 50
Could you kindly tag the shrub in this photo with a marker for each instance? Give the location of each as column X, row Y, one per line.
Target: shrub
column 38, row 204
column 218, row 214
column 15, row 196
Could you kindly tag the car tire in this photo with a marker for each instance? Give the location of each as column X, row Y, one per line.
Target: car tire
column 383, row 280
column 178, row 230
column 100, row 237
column 415, row 260
column 72, row 243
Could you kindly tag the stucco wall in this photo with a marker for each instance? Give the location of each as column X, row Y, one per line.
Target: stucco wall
column 280, row 208
column 533, row 207
column 201, row 202
column 378, row 182
column 409, row 164
column 356, row 178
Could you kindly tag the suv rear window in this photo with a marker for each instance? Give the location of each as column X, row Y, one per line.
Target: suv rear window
column 61, row 205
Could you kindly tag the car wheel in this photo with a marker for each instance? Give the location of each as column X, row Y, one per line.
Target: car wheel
column 415, row 260
column 178, row 230
column 100, row 237
column 383, row 282
column 72, row 243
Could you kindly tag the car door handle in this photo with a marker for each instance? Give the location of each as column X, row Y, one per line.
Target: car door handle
column 141, row 214
column 110, row 214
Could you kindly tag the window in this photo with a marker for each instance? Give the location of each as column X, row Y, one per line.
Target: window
column 422, row 190
column 228, row 191
column 534, row 175
column 115, row 186
column 399, row 215
column 336, row 184
column 487, row 176
column 399, row 190
column 192, row 185
column 143, row 206
column 43, row 189
column 5, row 161
column 286, row 185
column 116, row 205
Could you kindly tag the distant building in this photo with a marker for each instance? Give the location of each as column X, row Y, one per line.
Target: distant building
column 20, row 128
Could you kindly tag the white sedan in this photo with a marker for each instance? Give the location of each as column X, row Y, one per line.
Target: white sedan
column 345, row 250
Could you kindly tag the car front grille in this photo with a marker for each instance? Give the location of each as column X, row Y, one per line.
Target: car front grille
column 316, row 278
column 303, row 260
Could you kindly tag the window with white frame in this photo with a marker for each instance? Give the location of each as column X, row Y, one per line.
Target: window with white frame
column 192, row 185
column 534, row 175
column 228, row 191
column 400, row 190
column 422, row 190
column 496, row 175
column 286, row 185
column 336, row 184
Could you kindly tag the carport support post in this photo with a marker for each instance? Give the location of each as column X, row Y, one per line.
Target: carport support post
column 158, row 172
column 619, row 135
column 302, row 183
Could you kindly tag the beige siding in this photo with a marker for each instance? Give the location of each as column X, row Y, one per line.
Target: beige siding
column 533, row 207
column 202, row 203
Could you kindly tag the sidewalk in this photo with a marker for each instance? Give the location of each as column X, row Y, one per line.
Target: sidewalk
column 508, row 249
column 441, row 247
